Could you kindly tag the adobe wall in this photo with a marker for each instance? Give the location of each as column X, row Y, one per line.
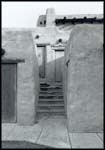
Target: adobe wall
column 85, row 79
column 19, row 44
column 48, row 37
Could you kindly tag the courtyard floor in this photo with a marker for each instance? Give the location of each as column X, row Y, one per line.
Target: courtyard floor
column 51, row 131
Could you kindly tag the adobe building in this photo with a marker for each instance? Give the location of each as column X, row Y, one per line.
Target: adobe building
column 62, row 71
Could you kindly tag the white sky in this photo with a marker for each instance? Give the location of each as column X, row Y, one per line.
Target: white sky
column 25, row 14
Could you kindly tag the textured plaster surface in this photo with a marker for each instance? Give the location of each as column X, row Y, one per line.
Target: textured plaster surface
column 85, row 79
column 19, row 44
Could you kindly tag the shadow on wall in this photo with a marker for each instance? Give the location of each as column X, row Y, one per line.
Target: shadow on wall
column 52, row 70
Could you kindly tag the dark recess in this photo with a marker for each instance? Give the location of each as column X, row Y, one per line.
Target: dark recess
column 79, row 20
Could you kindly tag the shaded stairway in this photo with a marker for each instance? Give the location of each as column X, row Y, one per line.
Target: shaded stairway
column 51, row 99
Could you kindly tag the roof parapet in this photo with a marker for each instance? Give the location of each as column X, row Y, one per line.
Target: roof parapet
column 50, row 17
column 79, row 20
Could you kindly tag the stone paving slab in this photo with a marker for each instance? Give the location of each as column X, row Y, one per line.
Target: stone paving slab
column 51, row 131
column 25, row 133
column 55, row 133
column 85, row 140
column 100, row 135
column 7, row 129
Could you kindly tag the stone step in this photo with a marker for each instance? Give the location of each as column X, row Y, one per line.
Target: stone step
column 51, row 92
column 51, row 111
column 51, row 100
column 51, row 105
column 44, row 85
column 50, row 88
column 43, row 80
column 46, row 82
column 51, row 108
column 50, row 96
column 40, row 114
column 50, row 85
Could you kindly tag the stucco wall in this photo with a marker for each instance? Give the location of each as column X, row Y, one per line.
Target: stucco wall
column 85, row 79
column 19, row 44
column 49, row 37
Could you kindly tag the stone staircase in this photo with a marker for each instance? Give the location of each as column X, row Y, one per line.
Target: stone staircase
column 51, row 99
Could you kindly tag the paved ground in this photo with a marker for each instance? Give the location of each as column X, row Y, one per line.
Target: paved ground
column 22, row 144
column 51, row 131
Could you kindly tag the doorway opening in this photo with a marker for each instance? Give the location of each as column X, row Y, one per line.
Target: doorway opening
column 42, row 61
column 59, row 65
column 51, row 99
